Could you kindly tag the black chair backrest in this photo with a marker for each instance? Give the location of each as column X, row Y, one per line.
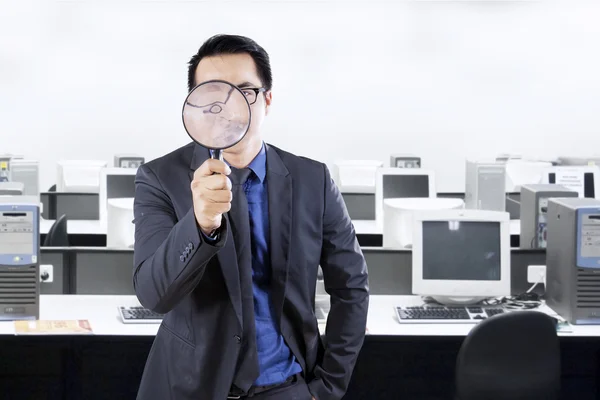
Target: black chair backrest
column 512, row 356
column 52, row 188
column 57, row 235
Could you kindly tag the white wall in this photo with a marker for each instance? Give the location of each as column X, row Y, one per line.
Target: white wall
column 353, row 79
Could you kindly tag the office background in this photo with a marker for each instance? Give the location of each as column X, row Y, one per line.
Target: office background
column 352, row 79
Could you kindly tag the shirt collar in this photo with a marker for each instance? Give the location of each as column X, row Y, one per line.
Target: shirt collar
column 259, row 164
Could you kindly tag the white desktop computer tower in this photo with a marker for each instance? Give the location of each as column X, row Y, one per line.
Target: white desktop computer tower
column 19, row 258
column 573, row 259
column 27, row 173
column 485, row 186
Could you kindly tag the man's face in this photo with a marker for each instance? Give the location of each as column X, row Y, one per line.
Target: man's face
column 240, row 70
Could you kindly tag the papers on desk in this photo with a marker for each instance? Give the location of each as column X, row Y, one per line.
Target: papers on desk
column 72, row 327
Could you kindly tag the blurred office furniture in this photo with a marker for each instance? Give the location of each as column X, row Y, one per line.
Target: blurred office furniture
column 102, row 271
column 524, row 172
column 360, row 206
column 8, row 188
column 115, row 183
column 513, row 356
column 485, row 186
column 76, row 206
column 57, row 260
column 405, row 161
column 356, row 181
column 57, row 236
column 505, row 157
column 79, row 176
column 399, row 183
column 578, row 161
column 513, row 205
column 356, row 176
column 26, row 172
column 585, row 180
column 390, row 270
column 398, row 217
column 128, row 161
column 120, row 230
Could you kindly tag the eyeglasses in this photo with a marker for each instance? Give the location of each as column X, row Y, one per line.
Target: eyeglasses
column 252, row 93
column 215, row 107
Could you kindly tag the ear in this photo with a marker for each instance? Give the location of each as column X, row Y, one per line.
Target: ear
column 268, row 100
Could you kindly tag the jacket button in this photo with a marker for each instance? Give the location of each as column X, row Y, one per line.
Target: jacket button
column 181, row 258
column 238, row 339
column 191, row 246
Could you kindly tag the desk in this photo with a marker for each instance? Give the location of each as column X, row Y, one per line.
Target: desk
column 76, row 227
column 396, row 361
column 367, row 227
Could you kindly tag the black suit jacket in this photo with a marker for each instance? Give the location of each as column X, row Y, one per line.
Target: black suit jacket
column 196, row 283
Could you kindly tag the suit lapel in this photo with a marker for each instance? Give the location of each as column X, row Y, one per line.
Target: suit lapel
column 227, row 256
column 279, row 185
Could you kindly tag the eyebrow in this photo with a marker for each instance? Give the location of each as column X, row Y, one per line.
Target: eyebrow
column 246, row 84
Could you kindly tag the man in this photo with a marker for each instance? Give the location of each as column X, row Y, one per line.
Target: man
column 232, row 261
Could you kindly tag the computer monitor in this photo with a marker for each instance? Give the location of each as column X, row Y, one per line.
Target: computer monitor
column 398, row 213
column 461, row 256
column 128, row 161
column 524, row 172
column 115, row 183
column 400, row 183
column 120, row 229
column 79, row 176
column 585, row 180
column 356, row 176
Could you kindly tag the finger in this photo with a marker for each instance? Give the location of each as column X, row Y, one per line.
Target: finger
column 218, row 196
column 216, row 182
column 212, row 166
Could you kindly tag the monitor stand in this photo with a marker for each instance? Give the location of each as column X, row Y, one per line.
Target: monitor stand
column 458, row 300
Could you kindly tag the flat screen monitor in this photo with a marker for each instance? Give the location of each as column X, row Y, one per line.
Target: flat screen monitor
column 461, row 256
column 401, row 183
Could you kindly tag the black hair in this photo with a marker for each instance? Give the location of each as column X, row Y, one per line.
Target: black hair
column 232, row 44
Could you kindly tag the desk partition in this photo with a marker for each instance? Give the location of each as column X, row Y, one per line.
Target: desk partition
column 88, row 270
column 95, row 270
column 102, row 271
column 57, row 258
column 390, row 270
column 76, row 206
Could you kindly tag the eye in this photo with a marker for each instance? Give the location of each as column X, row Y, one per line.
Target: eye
column 248, row 92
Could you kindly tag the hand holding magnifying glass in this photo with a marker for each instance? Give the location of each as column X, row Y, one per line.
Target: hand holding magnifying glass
column 216, row 115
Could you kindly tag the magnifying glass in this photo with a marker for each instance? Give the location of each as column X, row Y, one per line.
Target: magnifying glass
column 216, row 115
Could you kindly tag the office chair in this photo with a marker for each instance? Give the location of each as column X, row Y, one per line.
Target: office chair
column 52, row 188
column 57, row 235
column 512, row 356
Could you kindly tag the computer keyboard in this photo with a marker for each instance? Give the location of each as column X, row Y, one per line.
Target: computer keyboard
column 446, row 314
column 139, row 315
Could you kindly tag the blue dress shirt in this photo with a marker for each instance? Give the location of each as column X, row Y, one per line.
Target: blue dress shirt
column 276, row 361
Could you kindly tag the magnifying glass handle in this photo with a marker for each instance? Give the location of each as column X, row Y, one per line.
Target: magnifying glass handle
column 216, row 154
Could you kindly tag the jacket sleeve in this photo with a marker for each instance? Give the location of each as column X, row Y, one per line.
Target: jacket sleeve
column 346, row 281
column 170, row 255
